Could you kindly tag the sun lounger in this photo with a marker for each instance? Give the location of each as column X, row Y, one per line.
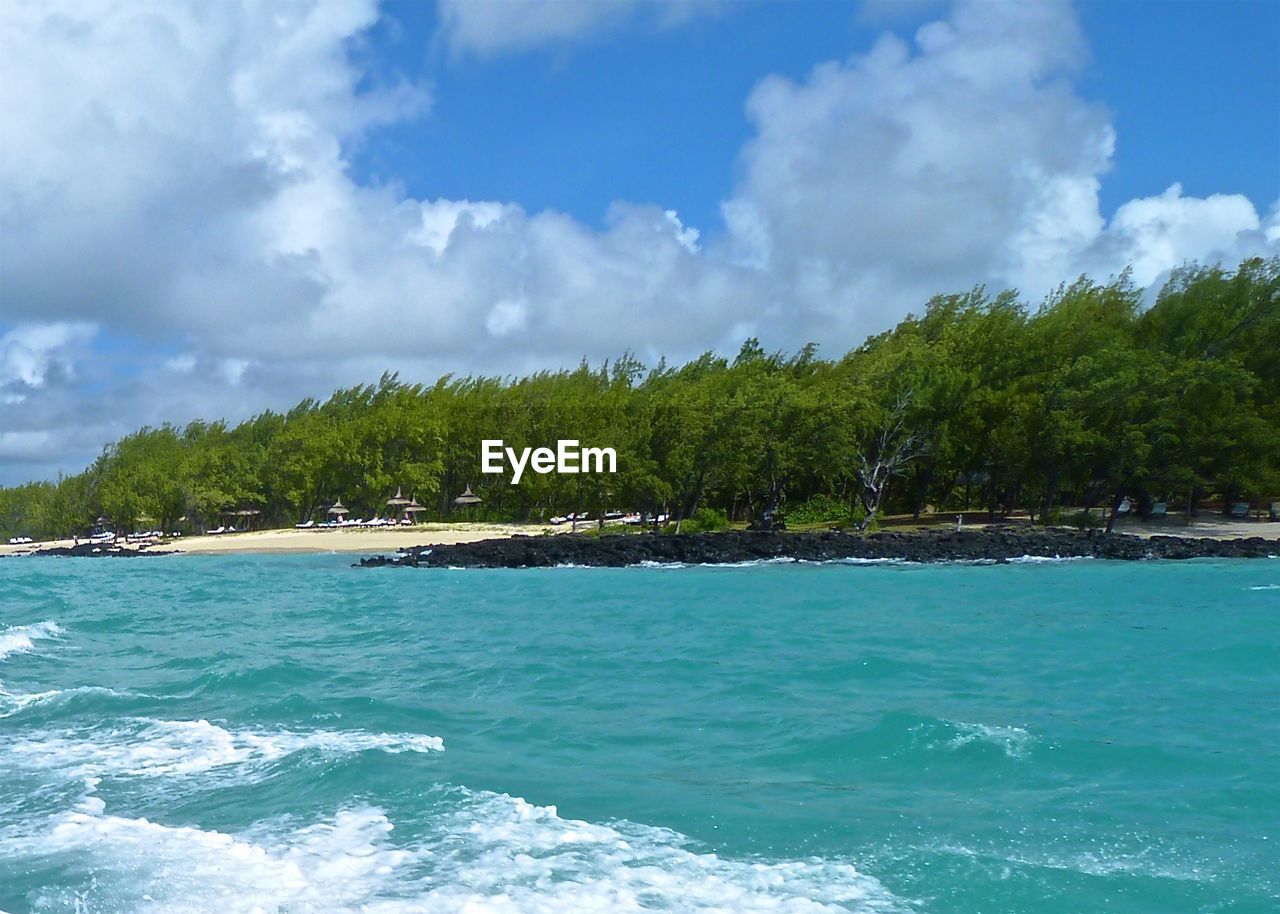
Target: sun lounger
column 1275, row 510
column 1159, row 509
column 1240, row 510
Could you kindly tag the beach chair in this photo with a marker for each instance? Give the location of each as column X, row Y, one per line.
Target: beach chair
column 1275, row 510
column 1240, row 510
column 1159, row 509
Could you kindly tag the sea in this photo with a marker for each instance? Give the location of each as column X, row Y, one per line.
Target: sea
column 268, row 733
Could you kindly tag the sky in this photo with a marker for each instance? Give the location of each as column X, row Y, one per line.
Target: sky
column 211, row 209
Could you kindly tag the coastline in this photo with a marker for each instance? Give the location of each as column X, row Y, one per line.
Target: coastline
column 358, row 541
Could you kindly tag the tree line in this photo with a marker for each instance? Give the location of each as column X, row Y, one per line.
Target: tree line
column 980, row 403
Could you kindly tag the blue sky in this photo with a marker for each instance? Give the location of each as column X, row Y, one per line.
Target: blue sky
column 212, row 209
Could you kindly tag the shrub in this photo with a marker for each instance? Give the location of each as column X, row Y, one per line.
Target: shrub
column 703, row 520
column 821, row 509
column 1084, row 520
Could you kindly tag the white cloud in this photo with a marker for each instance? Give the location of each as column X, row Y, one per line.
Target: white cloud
column 178, row 173
column 910, row 169
column 508, row 316
column 30, row 352
column 495, row 26
column 963, row 157
column 1155, row 234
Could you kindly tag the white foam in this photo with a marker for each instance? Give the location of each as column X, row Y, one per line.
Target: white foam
column 854, row 560
column 486, row 853
column 1266, row 587
column 19, row 639
column 163, row 748
column 1014, row 741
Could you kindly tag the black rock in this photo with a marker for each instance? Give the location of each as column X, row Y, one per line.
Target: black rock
column 997, row 543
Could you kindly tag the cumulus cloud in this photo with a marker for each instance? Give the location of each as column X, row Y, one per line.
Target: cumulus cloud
column 963, row 156
column 178, row 176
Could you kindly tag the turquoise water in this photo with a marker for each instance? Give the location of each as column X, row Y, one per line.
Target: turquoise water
column 289, row 734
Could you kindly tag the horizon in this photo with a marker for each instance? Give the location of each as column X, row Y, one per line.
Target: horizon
column 210, row 216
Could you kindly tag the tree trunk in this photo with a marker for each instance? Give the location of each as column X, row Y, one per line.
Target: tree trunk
column 1050, row 492
column 924, row 475
column 1116, row 501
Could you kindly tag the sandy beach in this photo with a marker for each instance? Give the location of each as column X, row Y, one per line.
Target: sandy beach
column 1212, row 527
column 389, row 539
column 350, row 539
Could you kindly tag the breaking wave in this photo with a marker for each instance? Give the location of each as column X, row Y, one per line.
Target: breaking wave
column 485, row 852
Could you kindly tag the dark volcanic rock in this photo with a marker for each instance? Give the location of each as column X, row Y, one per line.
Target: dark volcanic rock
column 987, row 544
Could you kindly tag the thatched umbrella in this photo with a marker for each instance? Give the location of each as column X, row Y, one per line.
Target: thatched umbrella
column 398, row 502
column 467, row 499
column 339, row 509
column 413, row 508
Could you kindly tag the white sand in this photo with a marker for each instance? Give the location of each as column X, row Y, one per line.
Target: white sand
column 347, row 539
column 1214, row 528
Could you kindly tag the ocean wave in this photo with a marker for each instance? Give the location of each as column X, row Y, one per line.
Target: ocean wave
column 1013, row 740
column 746, row 563
column 169, row 748
column 485, row 853
column 19, row 639
column 854, row 560
column 951, row 735
column 13, row 702
column 1106, row 862
column 1265, row 587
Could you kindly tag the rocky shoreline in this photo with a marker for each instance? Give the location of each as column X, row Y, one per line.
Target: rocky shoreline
column 989, row 544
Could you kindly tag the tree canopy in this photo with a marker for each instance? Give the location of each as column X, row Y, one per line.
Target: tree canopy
column 980, row 402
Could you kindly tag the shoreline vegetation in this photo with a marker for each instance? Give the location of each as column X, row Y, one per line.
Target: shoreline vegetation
column 1093, row 406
